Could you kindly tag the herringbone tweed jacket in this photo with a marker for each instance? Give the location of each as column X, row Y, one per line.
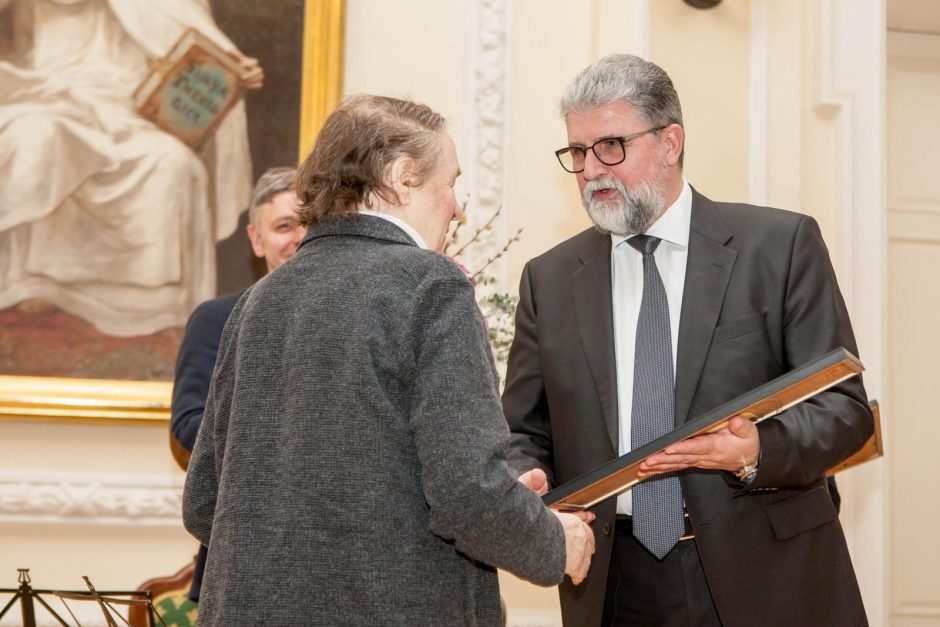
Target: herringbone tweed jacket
column 350, row 468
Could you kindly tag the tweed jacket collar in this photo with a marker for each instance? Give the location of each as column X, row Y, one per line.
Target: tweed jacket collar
column 357, row 225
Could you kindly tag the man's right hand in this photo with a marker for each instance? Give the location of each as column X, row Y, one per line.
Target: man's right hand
column 535, row 480
column 579, row 546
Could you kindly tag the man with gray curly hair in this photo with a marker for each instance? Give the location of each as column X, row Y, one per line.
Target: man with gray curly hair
column 672, row 305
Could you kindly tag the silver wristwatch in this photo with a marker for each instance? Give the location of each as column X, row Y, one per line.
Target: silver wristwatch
column 748, row 472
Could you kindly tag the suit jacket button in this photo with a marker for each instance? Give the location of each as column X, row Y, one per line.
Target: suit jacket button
column 605, row 529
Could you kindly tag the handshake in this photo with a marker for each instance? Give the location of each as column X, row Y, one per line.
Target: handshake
column 579, row 539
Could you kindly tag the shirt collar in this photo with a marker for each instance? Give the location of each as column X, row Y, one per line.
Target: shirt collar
column 404, row 226
column 673, row 226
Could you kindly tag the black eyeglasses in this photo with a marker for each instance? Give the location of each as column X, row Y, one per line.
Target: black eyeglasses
column 609, row 151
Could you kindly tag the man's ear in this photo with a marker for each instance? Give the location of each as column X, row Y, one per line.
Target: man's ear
column 401, row 178
column 255, row 240
column 675, row 139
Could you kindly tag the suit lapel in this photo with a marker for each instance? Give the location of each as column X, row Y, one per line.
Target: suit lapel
column 707, row 274
column 595, row 324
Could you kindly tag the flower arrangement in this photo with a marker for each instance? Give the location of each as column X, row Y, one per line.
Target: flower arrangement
column 498, row 308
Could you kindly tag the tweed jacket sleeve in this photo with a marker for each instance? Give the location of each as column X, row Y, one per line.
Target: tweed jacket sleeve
column 462, row 437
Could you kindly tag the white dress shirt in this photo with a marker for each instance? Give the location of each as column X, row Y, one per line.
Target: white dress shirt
column 404, row 226
column 626, row 265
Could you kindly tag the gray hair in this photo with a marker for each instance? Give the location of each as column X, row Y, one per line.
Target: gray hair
column 616, row 77
column 272, row 182
column 357, row 145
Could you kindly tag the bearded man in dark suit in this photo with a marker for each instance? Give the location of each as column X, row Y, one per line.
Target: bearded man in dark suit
column 740, row 529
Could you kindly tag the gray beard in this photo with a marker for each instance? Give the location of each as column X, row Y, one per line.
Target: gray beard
column 633, row 212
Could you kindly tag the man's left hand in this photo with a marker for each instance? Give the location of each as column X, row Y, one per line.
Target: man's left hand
column 730, row 449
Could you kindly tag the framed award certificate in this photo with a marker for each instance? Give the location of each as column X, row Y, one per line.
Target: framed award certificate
column 775, row 396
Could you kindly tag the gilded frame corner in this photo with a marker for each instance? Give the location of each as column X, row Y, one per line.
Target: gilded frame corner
column 88, row 401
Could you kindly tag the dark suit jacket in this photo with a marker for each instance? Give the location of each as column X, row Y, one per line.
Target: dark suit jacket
column 760, row 299
column 194, row 365
column 350, row 468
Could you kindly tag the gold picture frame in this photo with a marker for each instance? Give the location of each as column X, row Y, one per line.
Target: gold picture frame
column 107, row 401
column 322, row 82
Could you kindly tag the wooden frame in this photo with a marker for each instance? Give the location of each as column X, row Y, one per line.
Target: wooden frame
column 872, row 449
column 766, row 401
column 106, row 401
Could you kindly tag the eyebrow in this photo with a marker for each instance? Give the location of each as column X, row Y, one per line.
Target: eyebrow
column 599, row 139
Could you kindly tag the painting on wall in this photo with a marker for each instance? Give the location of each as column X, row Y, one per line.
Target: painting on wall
column 111, row 229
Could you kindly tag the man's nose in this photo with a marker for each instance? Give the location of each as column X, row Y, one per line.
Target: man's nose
column 593, row 167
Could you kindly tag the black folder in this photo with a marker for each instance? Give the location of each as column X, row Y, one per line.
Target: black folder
column 619, row 475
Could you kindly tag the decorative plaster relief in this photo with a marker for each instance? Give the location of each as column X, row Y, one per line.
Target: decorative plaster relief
column 489, row 104
column 68, row 497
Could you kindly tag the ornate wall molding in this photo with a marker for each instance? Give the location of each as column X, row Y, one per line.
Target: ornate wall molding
column 69, row 497
column 488, row 112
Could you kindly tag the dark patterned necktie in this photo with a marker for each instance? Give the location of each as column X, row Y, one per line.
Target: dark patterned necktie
column 657, row 501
